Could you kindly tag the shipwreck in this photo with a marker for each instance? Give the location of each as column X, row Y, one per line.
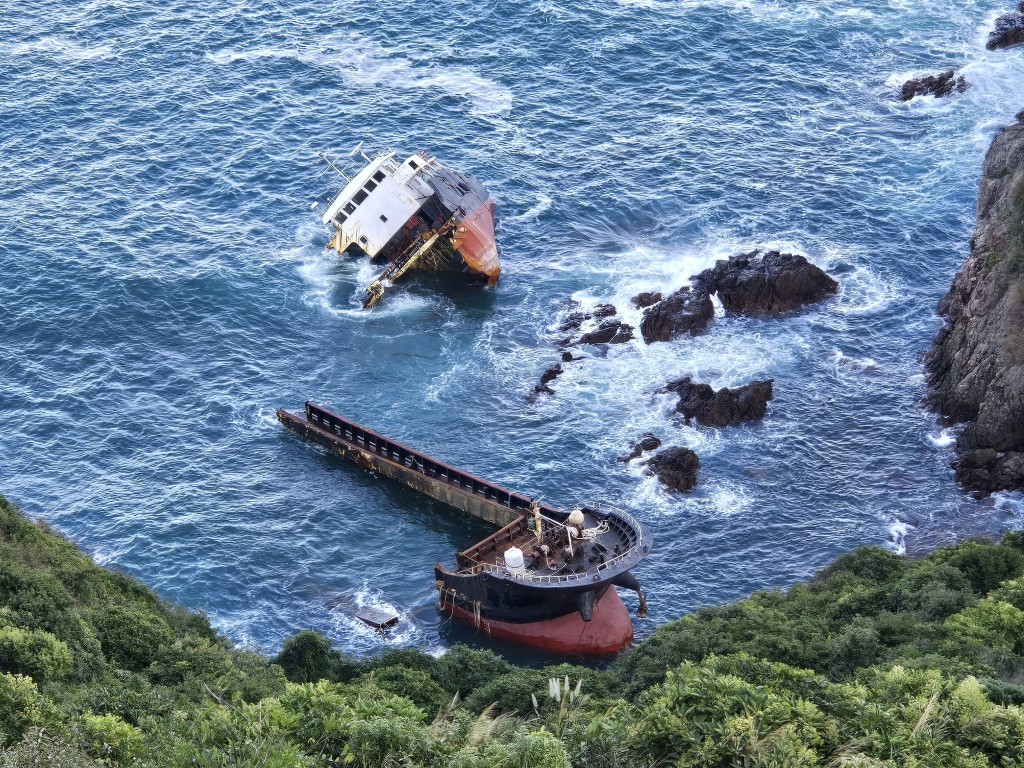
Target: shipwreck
column 545, row 578
column 413, row 215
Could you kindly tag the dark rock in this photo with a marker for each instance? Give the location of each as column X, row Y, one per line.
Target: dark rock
column 646, row 299
column 976, row 459
column 602, row 311
column 1020, row 116
column 551, row 374
column 984, row 471
column 755, row 284
column 1009, row 30
column 646, row 443
column 676, row 467
column 934, row 85
column 609, row 332
column 568, row 358
column 976, row 364
column 724, row 407
column 687, row 310
column 573, row 321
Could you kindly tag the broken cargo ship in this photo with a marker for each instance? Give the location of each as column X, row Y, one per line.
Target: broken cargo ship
column 545, row 578
column 414, row 214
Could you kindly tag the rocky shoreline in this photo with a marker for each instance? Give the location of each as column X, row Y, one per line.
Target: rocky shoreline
column 976, row 364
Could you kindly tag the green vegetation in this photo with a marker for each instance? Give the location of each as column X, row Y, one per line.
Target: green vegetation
column 878, row 661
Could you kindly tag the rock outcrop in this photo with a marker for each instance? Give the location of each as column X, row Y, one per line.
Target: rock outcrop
column 609, row 332
column 1009, row 30
column 766, row 284
column 722, row 408
column 976, row 365
column 646, row 299
column 677, row 468
column 646, row 443
column 687, row 311
column 934, row 85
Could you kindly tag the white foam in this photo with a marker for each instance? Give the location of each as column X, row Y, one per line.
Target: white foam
column 1010, row 502
column 531, row 214
column 843, row 364
column 898, row 531
column 943, row 438
column 368, row 64
column 405, row 633
column 60, row 46
column 862, row 291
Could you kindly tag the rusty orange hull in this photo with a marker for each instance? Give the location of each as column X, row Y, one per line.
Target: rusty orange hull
column 474, row 240
column 609, row 631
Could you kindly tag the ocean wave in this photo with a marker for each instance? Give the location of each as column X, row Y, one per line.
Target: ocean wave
column 59, row 46
column 367, row 64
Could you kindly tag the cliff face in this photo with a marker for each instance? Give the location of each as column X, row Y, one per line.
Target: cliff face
column 976, row 364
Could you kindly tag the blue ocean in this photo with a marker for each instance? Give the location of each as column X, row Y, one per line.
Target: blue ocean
column 165, row 284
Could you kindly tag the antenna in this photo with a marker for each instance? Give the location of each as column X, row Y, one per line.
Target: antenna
column 323, row 156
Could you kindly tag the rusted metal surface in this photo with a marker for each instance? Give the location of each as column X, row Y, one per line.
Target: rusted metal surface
column 423, row 473
column 377, row 618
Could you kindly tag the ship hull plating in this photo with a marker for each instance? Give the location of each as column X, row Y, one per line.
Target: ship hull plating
column 608, row 632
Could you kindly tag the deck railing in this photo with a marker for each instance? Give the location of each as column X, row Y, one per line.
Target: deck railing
column 589, row 575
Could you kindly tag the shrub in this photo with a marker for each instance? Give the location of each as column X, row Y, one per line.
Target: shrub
column 189, row 657
column 131, row 635
column 308, row 657
column 252, row 677
column 512, row 693
column 985, row 565
column 414, row 684
column 463, row 670
column 38, row 601
column 108, row 738
column 19, row 707
column 35, row 653
column 40, row 749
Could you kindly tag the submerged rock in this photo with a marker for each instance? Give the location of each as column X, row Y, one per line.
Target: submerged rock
column 677, row 468
column 976, row 364
column 772, row 283
column 646, row 443
column 1009, row 30
column 724, row 407
column 551, row 374
column 687, row 311
column 934, row 85
column 609, row 332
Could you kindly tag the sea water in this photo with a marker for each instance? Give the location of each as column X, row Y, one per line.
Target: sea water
column 165, row 285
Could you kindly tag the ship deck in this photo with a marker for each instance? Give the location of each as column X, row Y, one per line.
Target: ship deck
column 588, row 555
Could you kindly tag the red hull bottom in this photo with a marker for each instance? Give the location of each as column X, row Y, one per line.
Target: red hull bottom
column 609, row 631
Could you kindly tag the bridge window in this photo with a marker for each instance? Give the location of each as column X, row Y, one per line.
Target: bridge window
column 370, row 185
column 349, row 207
column 383, row 217
column 378, row 176
column 359, row 196
column 412, row 164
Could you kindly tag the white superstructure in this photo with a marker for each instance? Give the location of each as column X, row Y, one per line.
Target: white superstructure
column 378, row 201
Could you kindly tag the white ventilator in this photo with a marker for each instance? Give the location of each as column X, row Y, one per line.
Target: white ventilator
column 514, row 560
